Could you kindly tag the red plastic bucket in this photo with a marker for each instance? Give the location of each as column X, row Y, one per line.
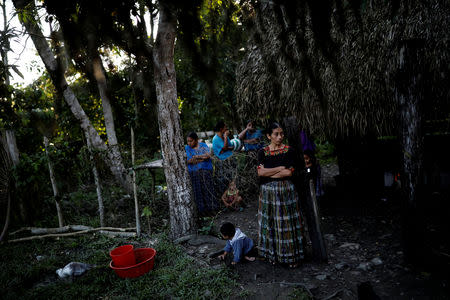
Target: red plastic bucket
column 123, row 256
column 145, row 260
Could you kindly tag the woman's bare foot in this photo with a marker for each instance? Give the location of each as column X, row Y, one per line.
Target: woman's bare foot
column 250, row 258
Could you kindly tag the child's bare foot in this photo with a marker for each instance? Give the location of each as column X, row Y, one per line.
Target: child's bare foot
column 250, row 258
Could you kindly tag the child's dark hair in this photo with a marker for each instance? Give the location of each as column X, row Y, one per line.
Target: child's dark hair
column 310, row 153
column 227, row 229
column 193, row 135
column 219, row 125
column 271, row 127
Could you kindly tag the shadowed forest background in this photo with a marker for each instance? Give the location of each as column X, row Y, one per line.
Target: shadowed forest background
column 125, row 81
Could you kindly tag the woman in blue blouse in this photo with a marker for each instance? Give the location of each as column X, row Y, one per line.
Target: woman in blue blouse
column 225, row 164
column 200, row 170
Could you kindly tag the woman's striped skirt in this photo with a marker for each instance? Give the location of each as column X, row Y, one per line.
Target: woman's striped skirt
column 280, row 232
column 204, row 195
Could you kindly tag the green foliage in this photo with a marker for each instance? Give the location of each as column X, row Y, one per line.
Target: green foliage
column 205, row 61
column 207, row 226
column 174, row 276
column 146, row 212
column 32, row 188
column 39, row 109
column 325, row 152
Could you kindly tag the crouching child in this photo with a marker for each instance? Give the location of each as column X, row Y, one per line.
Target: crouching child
column 237, row 243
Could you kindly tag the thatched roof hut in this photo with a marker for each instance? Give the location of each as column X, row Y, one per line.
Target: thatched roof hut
column 336, row 68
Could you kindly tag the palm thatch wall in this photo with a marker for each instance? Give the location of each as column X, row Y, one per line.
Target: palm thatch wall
column 335, row 66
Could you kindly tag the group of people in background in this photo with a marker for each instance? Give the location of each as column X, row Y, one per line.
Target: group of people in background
column 280, row 237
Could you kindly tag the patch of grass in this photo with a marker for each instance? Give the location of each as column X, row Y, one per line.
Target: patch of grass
column 246, row 294
column 175, row 276
column 300, row 294
column 207, row 226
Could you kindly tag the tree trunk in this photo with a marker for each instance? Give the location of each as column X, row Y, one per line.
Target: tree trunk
column 409, row 94
column 182, row 214
column 12, row 146
column 57, row 75
column 13, row 153
column 100, row 77
column 306, row 191
column 54, row 185
column 5, row 48
column 5, row 176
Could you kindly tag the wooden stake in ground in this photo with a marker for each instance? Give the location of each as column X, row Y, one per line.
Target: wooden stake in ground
column 98, row 187
column 411, row 101
column 133, row 179
column 54, row 185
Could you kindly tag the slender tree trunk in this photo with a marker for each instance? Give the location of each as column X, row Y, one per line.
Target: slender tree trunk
column 4, row 49
column 57, row 75
column 12, row 146
column 136, row 203
column 98, row 186
column 306, row 191
column 54, row 185
column 12, row 159
column 182, row 214
column 100, row 77
column 97, row 72
column 409, row 94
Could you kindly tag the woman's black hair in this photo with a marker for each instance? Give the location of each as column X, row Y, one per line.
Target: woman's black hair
column 219, row 125
column 271, row 127
column 227, row 229
column 193, row 135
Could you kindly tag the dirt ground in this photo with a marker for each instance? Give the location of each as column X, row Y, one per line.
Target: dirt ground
column 364, row 252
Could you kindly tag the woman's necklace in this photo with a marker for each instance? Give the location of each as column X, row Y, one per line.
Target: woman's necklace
column 275, row 148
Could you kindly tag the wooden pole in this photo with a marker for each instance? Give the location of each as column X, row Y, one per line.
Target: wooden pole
column 133, row 172
column 98, row 187
column 54, row 185
column 319, row 248
column 410, row 98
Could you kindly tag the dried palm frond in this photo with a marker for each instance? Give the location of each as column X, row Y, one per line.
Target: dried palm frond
column 348, row 88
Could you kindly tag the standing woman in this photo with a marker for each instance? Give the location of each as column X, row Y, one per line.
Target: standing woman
column 200, row 170
column 280, row 232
